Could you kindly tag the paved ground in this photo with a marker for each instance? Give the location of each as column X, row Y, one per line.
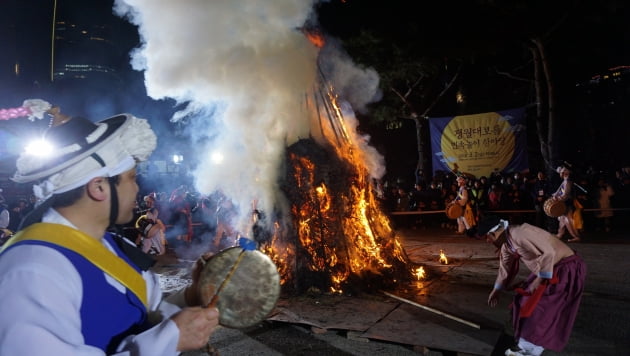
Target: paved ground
column 601, row 327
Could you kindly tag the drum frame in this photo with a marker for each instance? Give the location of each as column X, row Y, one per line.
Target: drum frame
column 450, row 210
column 549, row 207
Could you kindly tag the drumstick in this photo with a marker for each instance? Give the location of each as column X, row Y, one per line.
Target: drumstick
column 214, row 299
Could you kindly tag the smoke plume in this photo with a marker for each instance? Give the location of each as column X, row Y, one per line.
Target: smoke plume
column 240, row 70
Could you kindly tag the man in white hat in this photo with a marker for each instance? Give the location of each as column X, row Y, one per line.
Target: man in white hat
column 542, row 316
column 67, row 285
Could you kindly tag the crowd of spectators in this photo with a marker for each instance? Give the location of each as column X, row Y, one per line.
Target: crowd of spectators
column 12, row 210
column 604, row 197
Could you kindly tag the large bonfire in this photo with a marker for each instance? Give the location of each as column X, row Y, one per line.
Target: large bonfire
column 339, row 240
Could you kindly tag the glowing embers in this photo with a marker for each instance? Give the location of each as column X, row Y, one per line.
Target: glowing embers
column 443, row 259
column 419, row 273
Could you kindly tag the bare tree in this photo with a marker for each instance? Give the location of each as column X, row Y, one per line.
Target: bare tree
column 419, row 118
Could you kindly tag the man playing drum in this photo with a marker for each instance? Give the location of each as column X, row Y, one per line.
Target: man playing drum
column 565, row 194
column 67, row 285
column 466, row 219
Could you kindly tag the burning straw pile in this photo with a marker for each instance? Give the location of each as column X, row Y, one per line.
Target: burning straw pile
column 340, row 242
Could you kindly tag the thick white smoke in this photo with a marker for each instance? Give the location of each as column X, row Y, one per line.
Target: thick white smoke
column 247, row 63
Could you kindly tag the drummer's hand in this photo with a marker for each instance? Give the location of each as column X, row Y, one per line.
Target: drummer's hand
column 195, row 324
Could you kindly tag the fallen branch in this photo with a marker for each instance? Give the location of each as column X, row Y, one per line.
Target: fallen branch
column 476, row 326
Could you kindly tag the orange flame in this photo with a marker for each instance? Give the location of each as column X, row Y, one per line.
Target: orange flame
column 281, row 255
column 419, row 273
column 443, row 259
column 316, row 38
column 341, row 229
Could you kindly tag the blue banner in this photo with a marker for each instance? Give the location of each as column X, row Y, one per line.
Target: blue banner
column 481, row 143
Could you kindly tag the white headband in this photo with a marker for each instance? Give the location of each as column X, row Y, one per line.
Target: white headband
column 502, row 224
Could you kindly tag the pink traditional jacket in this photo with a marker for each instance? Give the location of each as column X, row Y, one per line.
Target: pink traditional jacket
column 533, row 246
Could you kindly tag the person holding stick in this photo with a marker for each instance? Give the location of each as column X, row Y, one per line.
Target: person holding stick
column 68, row 283
column 546, row 303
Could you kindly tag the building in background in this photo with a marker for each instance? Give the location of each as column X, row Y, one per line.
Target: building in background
column 89, row 45
column 54, row 45
column 72, row 53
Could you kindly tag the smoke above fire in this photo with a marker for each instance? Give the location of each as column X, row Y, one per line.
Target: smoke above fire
column 241, row 71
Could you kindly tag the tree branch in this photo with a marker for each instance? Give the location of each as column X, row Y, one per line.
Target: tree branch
column 511, row 76
column 448, row 86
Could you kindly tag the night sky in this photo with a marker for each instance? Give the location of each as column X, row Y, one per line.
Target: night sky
column 589, row 36
column 584, row 38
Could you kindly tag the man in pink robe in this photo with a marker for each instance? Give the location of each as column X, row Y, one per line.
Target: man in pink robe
column 546, row 305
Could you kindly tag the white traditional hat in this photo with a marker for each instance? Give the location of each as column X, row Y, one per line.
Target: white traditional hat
column 490, row 224
column 562, row 169
column 84, row 150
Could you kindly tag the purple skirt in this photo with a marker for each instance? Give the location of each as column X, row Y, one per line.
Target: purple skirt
column 551, row 323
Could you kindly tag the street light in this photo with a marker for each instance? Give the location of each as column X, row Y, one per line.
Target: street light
column 177, row 159
column 40, row 148
column 217, row 157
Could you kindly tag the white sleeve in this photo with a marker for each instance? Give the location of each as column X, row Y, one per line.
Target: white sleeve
column 40, row 294
column 4, row 218
column 159, row 308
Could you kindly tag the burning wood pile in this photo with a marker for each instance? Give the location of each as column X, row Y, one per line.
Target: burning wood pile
column 338, row 239
column 341, row 242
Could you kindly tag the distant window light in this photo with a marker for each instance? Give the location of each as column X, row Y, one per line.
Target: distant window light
column 87, row 68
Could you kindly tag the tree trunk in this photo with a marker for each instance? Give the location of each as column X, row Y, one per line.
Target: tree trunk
column 420, row 167
column 539, row 119
column 547, row 136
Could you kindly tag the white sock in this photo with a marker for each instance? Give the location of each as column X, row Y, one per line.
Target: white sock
column 531, row 349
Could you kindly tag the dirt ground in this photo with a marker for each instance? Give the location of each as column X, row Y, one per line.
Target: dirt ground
column 377, row 324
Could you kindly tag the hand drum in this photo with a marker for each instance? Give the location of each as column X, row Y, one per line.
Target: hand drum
column 246, row 283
